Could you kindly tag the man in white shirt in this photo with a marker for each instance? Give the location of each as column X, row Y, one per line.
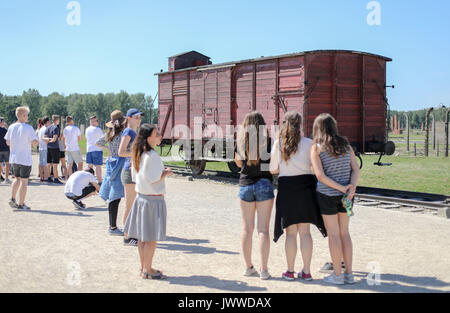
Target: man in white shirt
column 72, row 136
column 20, row 137
column 43, row 170
column 81, row 185
column 94, row 156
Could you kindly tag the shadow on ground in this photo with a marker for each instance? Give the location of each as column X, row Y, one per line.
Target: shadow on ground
column 189, row 248
column 76, row 214
column 213, row 282
column 390, row 283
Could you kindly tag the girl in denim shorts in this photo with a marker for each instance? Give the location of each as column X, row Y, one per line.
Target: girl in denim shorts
column 255, row 189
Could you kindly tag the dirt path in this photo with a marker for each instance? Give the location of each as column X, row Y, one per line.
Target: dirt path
column 54, row 248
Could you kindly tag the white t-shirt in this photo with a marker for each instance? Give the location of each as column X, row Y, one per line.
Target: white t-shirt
column 150, row 171
column 78, row 181
column 71, row 134
column 298, row 164
column 93, row 133
column 42, row 142
column 21, row 136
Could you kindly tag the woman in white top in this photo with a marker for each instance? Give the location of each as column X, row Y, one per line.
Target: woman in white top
column 147, row 218
column 296, row 204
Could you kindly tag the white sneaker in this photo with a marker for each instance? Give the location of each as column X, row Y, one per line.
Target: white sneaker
column 335, row 280
column 349, row 278
column 251, row 272
column 264, row 275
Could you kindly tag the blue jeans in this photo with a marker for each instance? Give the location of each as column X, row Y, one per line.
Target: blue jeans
column 262, row 190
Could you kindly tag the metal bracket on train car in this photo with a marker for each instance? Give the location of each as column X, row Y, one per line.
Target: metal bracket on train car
column 312, row 89
column 280, row 99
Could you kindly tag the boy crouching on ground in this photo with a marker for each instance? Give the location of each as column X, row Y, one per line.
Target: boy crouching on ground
column 80, row 185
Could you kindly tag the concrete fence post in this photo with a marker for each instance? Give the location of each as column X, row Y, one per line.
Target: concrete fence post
column 447, row 115
column 407, row 131
column 427, row 130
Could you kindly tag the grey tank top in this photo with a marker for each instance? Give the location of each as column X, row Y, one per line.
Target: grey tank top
column 338, row 169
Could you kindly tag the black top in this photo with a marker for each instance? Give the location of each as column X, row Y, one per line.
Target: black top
column 3, row 145
column 50, row 132
column 250, row 174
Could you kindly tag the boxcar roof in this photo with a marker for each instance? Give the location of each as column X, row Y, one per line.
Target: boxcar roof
column 228, row 64
column 189, row 52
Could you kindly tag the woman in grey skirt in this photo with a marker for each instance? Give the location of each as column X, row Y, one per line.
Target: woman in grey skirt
column 147, row 219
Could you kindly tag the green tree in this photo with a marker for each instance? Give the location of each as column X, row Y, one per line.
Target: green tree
column 32, row 99
column 54, row 104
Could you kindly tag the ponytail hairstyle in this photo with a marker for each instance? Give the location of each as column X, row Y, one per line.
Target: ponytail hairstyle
column 290, row 134
column 116, row 131
column 325, row 133
column 140, row 144
column 249, row 138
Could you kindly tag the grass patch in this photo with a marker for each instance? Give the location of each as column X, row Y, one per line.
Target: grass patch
column 82, row 144
column 419, row 174
column 410, row 173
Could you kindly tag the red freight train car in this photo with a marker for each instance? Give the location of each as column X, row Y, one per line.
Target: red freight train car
column 347, row 84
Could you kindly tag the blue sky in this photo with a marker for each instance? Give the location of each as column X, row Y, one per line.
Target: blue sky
column 121, row 44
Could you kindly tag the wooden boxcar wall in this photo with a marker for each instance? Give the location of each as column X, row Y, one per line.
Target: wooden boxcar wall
column 349, row 86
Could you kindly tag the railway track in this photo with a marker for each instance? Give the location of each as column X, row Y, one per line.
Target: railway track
column 407, row 201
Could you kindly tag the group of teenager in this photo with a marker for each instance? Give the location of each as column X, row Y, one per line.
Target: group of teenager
column 313, row 175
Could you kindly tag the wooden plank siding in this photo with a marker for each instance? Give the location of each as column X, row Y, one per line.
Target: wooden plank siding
column 350, row 86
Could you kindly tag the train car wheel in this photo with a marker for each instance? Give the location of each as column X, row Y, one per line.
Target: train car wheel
column 233, row 167
column 197, row 166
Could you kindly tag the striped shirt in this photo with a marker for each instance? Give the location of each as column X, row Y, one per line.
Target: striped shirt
column 338, row 169
column 113, row 146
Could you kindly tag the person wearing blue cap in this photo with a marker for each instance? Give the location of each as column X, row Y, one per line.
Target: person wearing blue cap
column 134, row 117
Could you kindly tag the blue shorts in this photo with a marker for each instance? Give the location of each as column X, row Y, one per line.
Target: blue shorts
column 43, row 157
column 262, row 190
column 95, row 157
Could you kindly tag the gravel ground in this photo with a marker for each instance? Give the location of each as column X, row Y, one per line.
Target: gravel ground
column 54, row 248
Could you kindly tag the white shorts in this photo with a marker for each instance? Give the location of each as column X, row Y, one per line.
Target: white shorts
column 74, row 157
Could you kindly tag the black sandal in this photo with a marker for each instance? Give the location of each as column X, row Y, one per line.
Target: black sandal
column 158, row 276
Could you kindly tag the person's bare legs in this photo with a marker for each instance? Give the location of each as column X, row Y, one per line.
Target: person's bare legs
column 290, row 246
column 49, row 169
column 130, row 195
column 64, row 168
column 264, row 210
column 23, row 190
column 46, row 172
column 69, row 169
column 55, row 171
column 347, row 246
column 7, row 169
column 98, row 173
column 15, row 187
column 149, row 252
column 306, row 246
column 334, row 241
column 141, row 254
column 1, row 169
column 248, row 210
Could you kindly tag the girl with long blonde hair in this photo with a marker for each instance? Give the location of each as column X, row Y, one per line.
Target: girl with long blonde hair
column 255, row 189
